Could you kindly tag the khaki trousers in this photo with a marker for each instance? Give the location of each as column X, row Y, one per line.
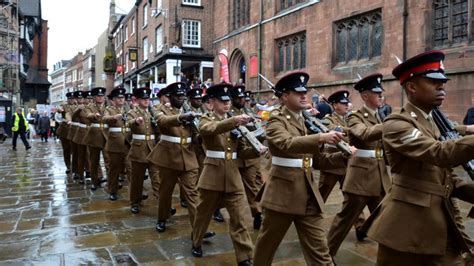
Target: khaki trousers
column 209, row 201
column 388, row 257
column 116, row 166
column 82, row 160
column 66, row 144
column 136, row 182
column 249, row 178
column 74, row 157
column 310, row 231
column 352, row 207
column 187, row 181
column 327, row 181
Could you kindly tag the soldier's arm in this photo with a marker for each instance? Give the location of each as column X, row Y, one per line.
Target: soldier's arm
column 402, row 136
column 209, row 126
column 131, row 119
column 167, row 120
column 108, row 116
column 328, row 161
column 278, row 135
column 359, row 129
column 245, row 151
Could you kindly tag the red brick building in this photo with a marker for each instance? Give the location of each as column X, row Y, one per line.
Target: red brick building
column 74, row 74
column 170, row 37
column 334, row 41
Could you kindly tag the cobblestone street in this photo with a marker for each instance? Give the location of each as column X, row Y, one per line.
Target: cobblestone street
column 47, row 219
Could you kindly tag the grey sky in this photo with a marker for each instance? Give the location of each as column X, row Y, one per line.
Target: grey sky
column 75, row 26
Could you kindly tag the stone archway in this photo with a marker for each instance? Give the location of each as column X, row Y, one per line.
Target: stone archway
column 238, row 67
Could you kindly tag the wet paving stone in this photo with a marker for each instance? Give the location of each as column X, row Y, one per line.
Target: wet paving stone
column 46, row 218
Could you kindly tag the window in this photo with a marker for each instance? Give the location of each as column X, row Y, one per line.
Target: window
column 126, row 33
column 291, row 52
column 145, row 15
column 240, row 13
column 359, row 37
column 159, row 39
column 451, row 22
column 192, row 2
column 145, row 49
column 159, row 4
column 191, row 33
column 133, row 25
column 284, row 4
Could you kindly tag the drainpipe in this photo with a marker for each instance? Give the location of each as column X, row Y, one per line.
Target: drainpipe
column 404, row 40
column 259, row 53
column 137, row 4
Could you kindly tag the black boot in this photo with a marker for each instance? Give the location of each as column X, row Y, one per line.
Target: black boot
column 257, row 221
column 160, row 226
column 197, row 252
column 245, row 263
column 184, row 203
column 217, row 216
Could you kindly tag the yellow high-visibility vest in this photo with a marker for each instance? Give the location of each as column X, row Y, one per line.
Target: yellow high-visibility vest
column 16, row 122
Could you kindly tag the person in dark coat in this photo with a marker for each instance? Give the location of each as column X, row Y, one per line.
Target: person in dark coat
column 469, row 118
column 44, row 125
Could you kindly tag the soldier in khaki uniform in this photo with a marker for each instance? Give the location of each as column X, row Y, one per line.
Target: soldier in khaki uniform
column 417, row 224
column 143, row 128
column 248, row 168
column 220, row 183
column 116, row 146
column 79, row 119
column 70, row 135
column 63, row 130
column 291, row 194
column 95, row 138
column 367, row 179
column 174, row 155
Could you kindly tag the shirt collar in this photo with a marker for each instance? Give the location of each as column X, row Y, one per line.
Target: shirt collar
column 372, row 111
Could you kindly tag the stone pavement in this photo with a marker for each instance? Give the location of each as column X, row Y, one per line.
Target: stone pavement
column 47, row 219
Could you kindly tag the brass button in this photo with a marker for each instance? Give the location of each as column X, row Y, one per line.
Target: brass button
column 228, row 139
column 228, row 149
column 306, row 159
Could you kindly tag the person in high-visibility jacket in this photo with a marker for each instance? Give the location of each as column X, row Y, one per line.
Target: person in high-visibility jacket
column 19, row 128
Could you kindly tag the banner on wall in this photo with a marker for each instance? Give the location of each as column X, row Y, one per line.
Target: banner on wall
column 224, row 71
column 253, row 69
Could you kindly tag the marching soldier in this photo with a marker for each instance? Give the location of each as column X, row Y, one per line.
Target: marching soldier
column 195, row 100
column 116, row 146
column 291, row 194
column 95, row 138
column 367, row 179
column 417, row 222
column 79, row 119
column 220, row 182
column 143, row 128
column 248, row 168
column 174, row 155
column 63, row 130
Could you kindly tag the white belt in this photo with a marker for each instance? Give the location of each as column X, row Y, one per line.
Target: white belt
column 221, row 155
column 178, row 140
column 296, row 163
column 118, row 129
column 369, row 153
column 81, row 125
column 143, row 137
column 258, row 132
column 97, row 125
column 74, row 124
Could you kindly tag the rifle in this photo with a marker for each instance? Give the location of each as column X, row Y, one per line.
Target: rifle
column 315, row 125
column 153, row 122
column 195, row 122
column 448, row 132
column 242, row 131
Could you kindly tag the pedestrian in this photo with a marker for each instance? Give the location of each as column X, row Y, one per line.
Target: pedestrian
column 367, row 180
column 30, row 117
column 469, row 118
column 418, row 222
column 44, row 126
column 19, row 128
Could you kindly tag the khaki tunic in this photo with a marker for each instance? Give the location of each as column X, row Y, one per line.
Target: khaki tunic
column 95, row 136
column 418, row 215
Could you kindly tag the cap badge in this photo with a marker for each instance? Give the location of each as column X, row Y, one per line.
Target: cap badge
column 225, row 89
column 144, row 90
column 379, row 80
column 441, row 65
column 197, row 92
column 179, row 86
column 302, row 79
column 345, row 95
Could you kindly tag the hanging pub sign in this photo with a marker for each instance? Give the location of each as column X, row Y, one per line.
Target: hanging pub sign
column 133, row 54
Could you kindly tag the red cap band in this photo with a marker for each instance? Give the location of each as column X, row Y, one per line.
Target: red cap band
column 419, row 69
